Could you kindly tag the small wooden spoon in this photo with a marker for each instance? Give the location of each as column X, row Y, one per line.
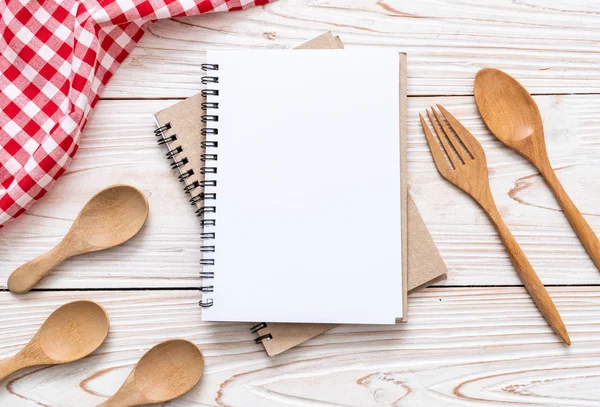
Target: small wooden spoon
column 164, row 373
column 111, row 217
column 512, row 115
column 71, row 332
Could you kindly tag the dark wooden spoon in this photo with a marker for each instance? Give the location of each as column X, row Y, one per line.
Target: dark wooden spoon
column 513, row 117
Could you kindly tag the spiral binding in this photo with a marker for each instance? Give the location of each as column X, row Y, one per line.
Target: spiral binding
column 175, row 155
column 206, row 209
column 262, row 338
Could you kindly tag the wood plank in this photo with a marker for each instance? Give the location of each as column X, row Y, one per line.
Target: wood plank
column 460, row 346
column 118, row 147
column 551, row 48
column 465, row 237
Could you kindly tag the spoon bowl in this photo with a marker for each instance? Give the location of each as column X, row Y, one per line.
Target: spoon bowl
column 70, row 333
column 165, row 372
column 111, row 217
column 169, row 382
column 510, row 112
column 73, row 331
column 513, row 117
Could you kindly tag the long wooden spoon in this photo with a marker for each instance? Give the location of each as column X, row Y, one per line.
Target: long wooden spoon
column 512, row 115
column 111, row 217
column 164, row 373
column 71, row 332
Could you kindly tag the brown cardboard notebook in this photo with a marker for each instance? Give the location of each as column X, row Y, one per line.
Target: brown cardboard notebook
column 180, row 131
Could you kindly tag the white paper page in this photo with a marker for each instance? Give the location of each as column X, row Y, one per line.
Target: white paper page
column 308, row 203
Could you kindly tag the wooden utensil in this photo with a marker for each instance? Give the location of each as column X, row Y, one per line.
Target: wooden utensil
column 467, row 169
column 164, row 373
column 513, row 117
column 111, row 217
column 71, row 332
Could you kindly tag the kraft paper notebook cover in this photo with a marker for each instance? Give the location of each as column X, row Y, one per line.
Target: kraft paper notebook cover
column 179, row 130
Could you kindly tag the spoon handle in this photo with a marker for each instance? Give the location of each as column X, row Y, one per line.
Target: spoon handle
column 126, row 396
column 111, row 402
column 529, row 277
column 123, row 399
column 29, row 274
column 583, row 230
column 10, row 365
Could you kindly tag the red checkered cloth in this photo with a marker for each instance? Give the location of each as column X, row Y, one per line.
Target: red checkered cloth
column 55, row 58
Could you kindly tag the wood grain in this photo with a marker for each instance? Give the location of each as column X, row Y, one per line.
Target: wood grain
column 118, row 147
column 71, row 332
column 550, row 48
column 167, row 371
column 460, row 159
column 461, row 346
column 462, row 232
column 111, row 217
column 512, row 115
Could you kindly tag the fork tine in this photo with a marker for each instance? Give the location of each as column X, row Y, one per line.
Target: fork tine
column 455, row 144
column 444, row 141
column 463, row 134
column 438, row 158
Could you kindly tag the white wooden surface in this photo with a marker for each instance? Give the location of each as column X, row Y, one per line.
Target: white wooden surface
column 475, row 339
column 462, row 347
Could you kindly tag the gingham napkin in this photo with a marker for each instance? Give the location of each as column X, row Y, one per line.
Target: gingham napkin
column 55, row 58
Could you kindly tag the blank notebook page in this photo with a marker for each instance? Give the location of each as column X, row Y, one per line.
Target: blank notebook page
column 307, row 201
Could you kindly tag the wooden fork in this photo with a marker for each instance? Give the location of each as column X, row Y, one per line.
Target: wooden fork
column 466, row 168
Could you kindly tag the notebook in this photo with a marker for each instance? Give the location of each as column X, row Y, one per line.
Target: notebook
column 324, row 235
column 179, row 131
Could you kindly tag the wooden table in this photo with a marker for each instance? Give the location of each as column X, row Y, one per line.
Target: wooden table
column 474, row 339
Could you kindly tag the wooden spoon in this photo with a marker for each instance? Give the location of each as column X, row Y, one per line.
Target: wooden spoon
column 512, row 115
column 164, row 373
column 71, row 332
column 111, row 217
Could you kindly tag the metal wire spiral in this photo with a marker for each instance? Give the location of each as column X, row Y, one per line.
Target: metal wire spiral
column 207, row 210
